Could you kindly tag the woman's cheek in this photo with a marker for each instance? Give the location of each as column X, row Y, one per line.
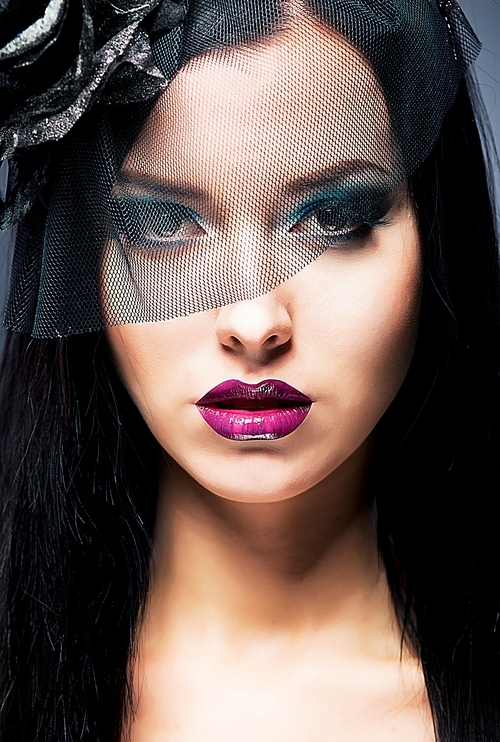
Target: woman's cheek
column 367, row 338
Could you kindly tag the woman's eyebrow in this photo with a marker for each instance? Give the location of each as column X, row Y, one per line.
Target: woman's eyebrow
column 340, row 174
column 344, row 173
column 158, row 187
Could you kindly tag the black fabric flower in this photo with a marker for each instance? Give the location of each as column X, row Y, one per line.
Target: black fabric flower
column 56, row 59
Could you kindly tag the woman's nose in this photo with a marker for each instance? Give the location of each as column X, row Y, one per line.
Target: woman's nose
column 255, row 328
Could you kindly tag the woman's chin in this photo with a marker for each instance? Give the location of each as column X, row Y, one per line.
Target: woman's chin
column 252, row 486
column 258, row 478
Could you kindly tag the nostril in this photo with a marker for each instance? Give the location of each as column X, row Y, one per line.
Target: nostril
column 233, row 343
column 254, row 326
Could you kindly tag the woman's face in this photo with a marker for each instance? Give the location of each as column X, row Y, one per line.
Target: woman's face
column 254, row 142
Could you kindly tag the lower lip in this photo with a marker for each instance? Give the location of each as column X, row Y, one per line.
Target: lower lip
column 254, row 425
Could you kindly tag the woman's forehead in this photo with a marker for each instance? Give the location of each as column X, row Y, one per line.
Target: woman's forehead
column 288, row 106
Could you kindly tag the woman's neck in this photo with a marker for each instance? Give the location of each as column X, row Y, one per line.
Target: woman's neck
column 309, row 563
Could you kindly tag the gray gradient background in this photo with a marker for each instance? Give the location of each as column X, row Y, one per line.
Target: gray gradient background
column 484, row 16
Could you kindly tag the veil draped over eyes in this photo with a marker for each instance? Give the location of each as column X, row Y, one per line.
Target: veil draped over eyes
column 112, row 232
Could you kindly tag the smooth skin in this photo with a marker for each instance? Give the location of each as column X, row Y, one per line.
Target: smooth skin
column 269, row 617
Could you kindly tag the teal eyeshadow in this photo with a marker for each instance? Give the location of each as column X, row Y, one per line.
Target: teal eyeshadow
column 136, row 215
column 356, row 198
column 151, row 202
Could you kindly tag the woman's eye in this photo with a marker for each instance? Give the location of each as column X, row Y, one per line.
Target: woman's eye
column 153, row 223
column 338, row 224
column 325, row 222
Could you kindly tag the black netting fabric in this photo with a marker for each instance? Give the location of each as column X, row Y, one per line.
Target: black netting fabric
column 281, row 130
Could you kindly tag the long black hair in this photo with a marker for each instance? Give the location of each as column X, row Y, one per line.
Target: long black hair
column 78, row 489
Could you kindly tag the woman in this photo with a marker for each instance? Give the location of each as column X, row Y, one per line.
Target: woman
column 262, row 503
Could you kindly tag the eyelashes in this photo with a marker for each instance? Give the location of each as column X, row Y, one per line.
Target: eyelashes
column 150, row 224
column 340, row 223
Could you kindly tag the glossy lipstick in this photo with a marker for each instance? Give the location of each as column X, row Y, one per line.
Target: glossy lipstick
column 254, row 412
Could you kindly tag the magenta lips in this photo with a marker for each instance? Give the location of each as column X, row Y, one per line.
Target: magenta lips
column 248, row 412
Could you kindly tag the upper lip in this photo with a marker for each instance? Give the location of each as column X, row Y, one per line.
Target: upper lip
column 263, row 394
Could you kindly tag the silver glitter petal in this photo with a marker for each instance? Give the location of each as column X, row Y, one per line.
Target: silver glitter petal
column 129, row 45
column 38, row 33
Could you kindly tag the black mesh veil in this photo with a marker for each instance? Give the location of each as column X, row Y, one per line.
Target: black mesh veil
column 149, row 209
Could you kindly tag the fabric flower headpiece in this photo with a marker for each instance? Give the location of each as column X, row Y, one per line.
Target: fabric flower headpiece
column 53, row 68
